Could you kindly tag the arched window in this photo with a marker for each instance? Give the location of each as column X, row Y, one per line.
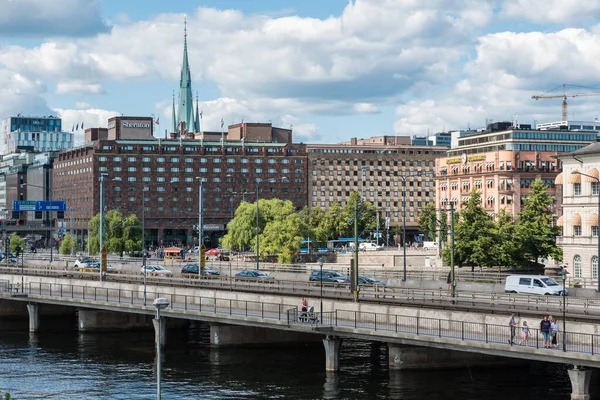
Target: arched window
column 595, row 267
column 577, row 266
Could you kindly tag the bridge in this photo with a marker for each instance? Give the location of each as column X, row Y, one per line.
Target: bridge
column 247, row 312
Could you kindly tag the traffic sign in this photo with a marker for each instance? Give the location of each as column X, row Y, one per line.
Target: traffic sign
column 39, row 205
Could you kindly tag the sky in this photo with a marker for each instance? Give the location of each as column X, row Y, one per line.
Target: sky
column 330, row 69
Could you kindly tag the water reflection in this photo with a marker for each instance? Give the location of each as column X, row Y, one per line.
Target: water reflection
column 331, row 387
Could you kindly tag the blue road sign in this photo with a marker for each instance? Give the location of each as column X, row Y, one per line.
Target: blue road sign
column 39, row 205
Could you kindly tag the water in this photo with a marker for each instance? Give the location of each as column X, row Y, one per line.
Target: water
column 70, row 365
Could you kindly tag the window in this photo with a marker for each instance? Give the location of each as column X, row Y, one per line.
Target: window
column 594, row 188
column 132, row 179
column 131, row 169
column 203, row 160
column 174, row 159
column 595, row 230
column 160, row 169
column 145, row 159
column 577, row 230
column 258, row 170
column 217, row 160
column 595, row 267
column 174, row 169
column 217, row 170
column 131, row 159
column 189, row 160
column 160, row 159
column 577, row 266
column 577, row 189
column 102, row 159
column 117, row 159
column 258, row 161
column 117, row 169
column 146, row 169
column 189, row 170
column 203, row 170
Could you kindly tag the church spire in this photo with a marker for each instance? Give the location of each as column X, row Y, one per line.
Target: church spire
column 198, row 116
column 185, row 112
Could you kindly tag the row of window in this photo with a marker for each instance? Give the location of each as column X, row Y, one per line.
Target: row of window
column 378, row 163
column 201, row 170
column 203, row 160
column 578, row 267
column 577, row 188
column 192, row 179
column 370, row 193
column 209, row 149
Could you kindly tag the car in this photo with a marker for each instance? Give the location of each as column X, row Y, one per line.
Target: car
column 328, row 276
column 193, row 269
column 157, row 270
column 11, row 260
column 95, row 267
column 533, row 284
column 369, row 280
column 254, row 276
column 368, row 246
column 83, row 262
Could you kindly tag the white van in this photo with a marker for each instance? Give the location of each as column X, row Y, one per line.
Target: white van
column 430, row 245
column 532, row 284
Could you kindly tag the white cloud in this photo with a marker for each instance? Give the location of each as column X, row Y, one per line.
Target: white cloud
column 82, row 104
column 567, row 12
column 79, row 88
column 366, row 108
column 91, row 118
column 50, row 18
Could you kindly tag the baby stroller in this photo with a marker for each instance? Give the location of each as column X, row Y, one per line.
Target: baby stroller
column 308, row 315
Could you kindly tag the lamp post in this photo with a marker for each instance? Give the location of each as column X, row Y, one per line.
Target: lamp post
column 597, row 228
column 102, row 178
column 144, row 251
column 321, row 298
column 161, row 303
column 403, row 227
column 200, row 223
column 563, row 275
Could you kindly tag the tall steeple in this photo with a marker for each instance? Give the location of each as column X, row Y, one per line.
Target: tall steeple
column 174, row 115
column 185, row 111
column 198, row 116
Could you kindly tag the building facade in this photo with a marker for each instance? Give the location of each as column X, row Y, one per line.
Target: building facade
column 161, row 177
column 579, row 222
column 33, row 134
column 502, row 165
column 376, row 171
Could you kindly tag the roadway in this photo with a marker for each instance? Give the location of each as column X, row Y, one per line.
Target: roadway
column 582, row 308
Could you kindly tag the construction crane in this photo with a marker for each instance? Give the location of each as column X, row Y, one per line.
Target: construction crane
column 564, row 95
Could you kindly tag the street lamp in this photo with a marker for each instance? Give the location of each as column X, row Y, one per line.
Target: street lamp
column 321, row 298
column 403, row 177
column 563, row 275
column 102, row 178
column 258, row 181
column 200, row 223
column 597, row 228
column 161, row 303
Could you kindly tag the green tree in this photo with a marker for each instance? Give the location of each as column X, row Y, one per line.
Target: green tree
column 428, row 221
column 16, row 241
column 534, row 231
column 67, row 244
column 241, row 229
column 366, row 217
column 505, row 250
column 473, row 235
column 281, row 235
column 120, row 234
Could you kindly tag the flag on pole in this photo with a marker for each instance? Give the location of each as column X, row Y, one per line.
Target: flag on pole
column 157, row 121
column 242, row 121
column 77, row 127
column 201, row 114
column 82, row 125
column 222, row 123
column 73, row 128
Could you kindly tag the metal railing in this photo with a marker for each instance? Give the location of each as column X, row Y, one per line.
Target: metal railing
column 361, row 322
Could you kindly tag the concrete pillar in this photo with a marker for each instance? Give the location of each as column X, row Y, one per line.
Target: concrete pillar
column 99, row 320
column 34, row 316
column 163, row 331
column 332, row 353
column 580, row 383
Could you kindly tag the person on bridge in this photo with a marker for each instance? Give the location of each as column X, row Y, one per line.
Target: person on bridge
column 525, row 334
column 512, row 322
column 304, row 305
column 554, row 331
column 545, row 328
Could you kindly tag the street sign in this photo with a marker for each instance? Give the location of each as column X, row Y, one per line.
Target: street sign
column 39, row 205
column 377, row 235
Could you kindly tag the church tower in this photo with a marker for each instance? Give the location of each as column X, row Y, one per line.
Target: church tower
column 185, row 113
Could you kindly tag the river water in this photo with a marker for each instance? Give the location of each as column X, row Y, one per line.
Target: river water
column 71, row 365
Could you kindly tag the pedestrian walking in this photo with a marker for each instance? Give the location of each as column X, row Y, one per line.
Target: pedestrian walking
column 554, row 332
column 525, row 334
column 545, row 328
column 512, row 323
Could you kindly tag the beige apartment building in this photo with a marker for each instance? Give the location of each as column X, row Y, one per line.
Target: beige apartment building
column 502, row 165
column 374, row 168
column 579, row 222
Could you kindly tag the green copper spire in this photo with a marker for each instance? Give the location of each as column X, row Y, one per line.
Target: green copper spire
column 185, row 112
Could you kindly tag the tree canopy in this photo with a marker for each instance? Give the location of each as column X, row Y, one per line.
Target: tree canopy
column 121, row 234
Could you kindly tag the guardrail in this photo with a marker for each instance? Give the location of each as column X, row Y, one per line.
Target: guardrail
column 368, row 322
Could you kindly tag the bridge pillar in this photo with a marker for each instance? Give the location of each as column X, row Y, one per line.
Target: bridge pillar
column 332, row 353
column 100, row 320
column 34, row 316
column 580, row 383
column 163, row 331
column 237, row 335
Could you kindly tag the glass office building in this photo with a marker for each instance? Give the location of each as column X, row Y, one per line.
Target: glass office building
column 39, row 134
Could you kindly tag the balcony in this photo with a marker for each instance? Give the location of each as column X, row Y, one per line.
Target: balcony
column 576, row 240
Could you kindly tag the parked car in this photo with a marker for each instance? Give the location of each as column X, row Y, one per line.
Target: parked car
column 11, row 260
column 254, row 276
column 83, row 262
column 328, row 276
column 95, row 267
column 533, row 284
column 157, row 270
column 369, row 280
column 193, row 269
column 368, row 246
